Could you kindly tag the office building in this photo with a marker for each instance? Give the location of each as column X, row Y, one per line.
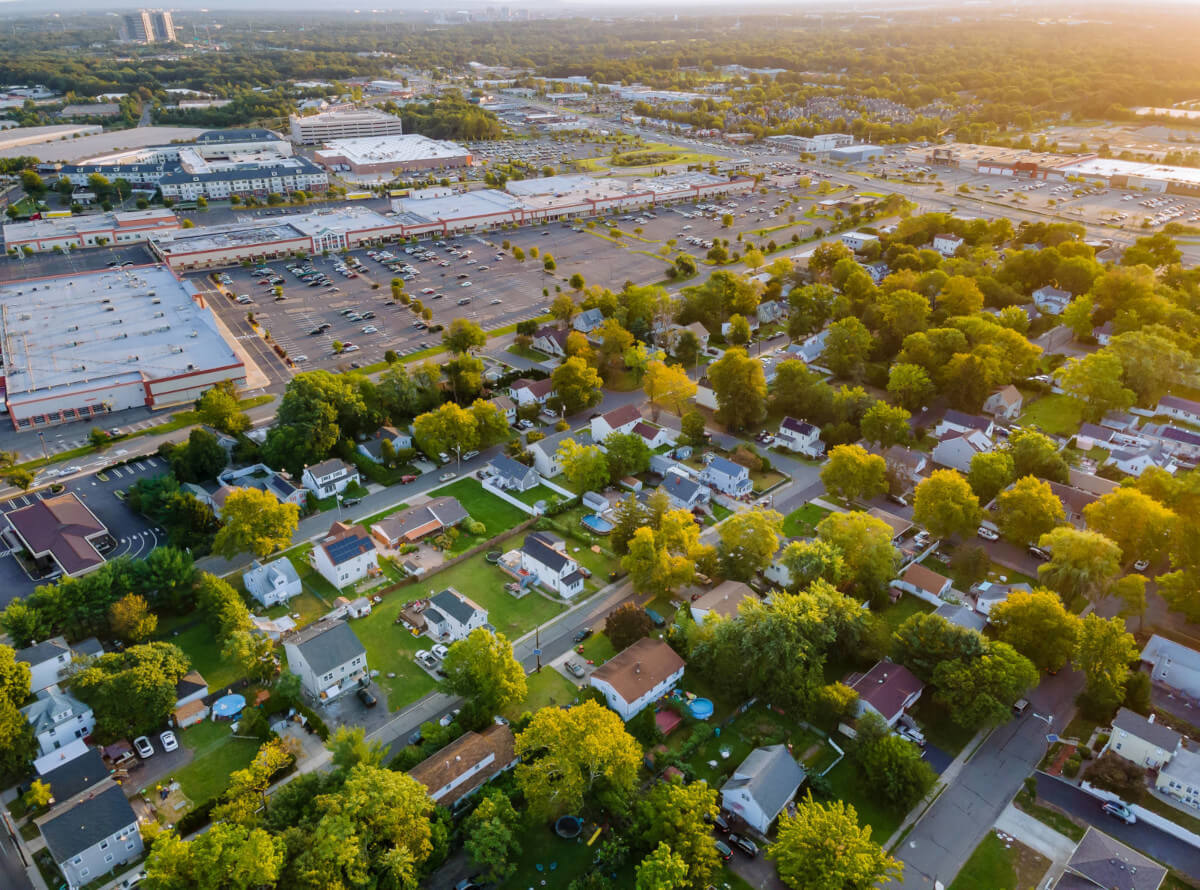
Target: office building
column 344, row 123
column 374, row 155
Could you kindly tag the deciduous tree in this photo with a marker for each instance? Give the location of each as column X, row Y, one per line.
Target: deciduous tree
column 1038, row 626
column 749, row 541
column 991, row 472
column 626, row 624
column 254, row 522
column 131, row 619
column 866, row 546
column 1028, row 510
column 853, row 473
column 1103, row 652
column 895, row 770
column 1094, row 382
column 982, row 690
column 463, row 335
column 679, row 815
column 1082, row 563
column 482, row 670
column 808, row 561
column 847, row 346
column 945, row 505
column 225, row 857
column 667, row 386
column 627, row 454
column 886, row 425
column 1134, row 521
column 823, row 847
column 909, row 385
column 584, row 466
column 492, row 836
column 576, row 385
column 740, row 387
column 663, row 869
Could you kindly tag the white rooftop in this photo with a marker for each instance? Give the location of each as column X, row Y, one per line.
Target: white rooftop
column 396, row 149
column 283, row 228
column 58, row 227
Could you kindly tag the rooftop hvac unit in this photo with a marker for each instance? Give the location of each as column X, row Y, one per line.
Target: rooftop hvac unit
column 194, row 334
column 110, row 308
column 177, row 349
column 156, row 301
column 132, row 359
column 158, row 314
column 121, row 336
column 79, row 368
column 73, row 327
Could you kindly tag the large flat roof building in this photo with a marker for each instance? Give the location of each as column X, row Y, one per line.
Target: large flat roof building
column 343, row 123
column 95, row 230
column 76, row 346
column 374, row 155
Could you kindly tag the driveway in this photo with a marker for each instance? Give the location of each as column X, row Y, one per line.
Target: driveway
column 161, row 765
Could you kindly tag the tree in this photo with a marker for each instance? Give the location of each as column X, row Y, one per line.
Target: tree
column 866, row 545
column 1036, row 455
column 1131, row 591
column 482, row 670
column 17, row 743
column 667, row 386
column 254, row 522
column 1103, row 652
column 131, row 692
column 449, row 429
column 19, row 477
column 219, row 409
column 654, row 569
column 490, row 423
column 895, row 771
column 686, row 348
column 740, row 387
column 463, row 335
column 945, row 505
column 567, row 756
column 982, row 690
column 909, row 385
column 1028, row 510
column 246, row 793
column 925, row 640
column 576, row 385
column 131, row 619
column 627, row 624
column 1038, row 626
column 852, row 473
column 749, row 541
column 1137, row 523
column 1094, row 382
column 39, row 795
column 693, row 427
column 1082, row 563
column 678, row 815
column 738, row 333
column 253, row 653
column 1078, row 317
column 847, row 346
column 564, row 309
column 628, row 518
column 465, row 373
column 585, row 466
column 615, row 342
column 991, row 472
column 492, row 832
column 663, row 870
column 627, row 454
column 225, row 857
column 823, row 847
column 349, row 747
column 809, row 561
column 960, row 295
column 200, row 458
column 886, row 425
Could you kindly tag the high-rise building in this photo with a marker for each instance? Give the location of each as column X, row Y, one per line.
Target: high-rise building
column 164, row 27
column 149, row 26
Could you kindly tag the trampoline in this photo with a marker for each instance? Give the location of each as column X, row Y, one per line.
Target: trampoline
column 596, row 524
column 568, row 826
column 701, row 708
column 228, row 707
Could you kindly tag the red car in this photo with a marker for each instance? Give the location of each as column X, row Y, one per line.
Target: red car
column 404, row 480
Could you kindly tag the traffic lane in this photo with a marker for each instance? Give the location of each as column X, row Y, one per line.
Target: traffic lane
column 1157, row 844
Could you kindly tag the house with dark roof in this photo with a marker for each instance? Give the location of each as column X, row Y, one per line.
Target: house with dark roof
column 652, row 434
column 1073, row 500
column 960, row 422
column 531, row 392
column 637, row 676
column 588, row 320
column 329, row 477
column 961, row 616
column 511, row 474
column 285, row 490
column 409, row 526
column 58, row 719
column 551, row 340
column 726, row 477
column 61, row 535
column 83, row 774
column 1051, row 300
column 956, row 450
column 545, row 452
column 466, row 764
column 48, row 662
column 762, row 785
column 259, row 476
column 551, row 566
column 905, row 464
column 800, row 436
column 1179, row 408
column 684, row 492
column 328, row 659
column 346, row 555
column 1102, row 863
column 947, row 244
column 887, row 689
column 93, row 836
column 451, row 617
column 372, row 447
column 618, row 420
column 1141, row 740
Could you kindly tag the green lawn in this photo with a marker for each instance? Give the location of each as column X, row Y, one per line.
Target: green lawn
column 939, row 729
column 570, row 859
column 802, row 523
column 546, row 689
column 597, row 648
column 216, row 754
column 307, row 604
column 537, row 493
column 534, row 355
column 390, row 650
column 989, row 868
column 903, row 609
column 494, row 513
column 845, row 781
column 195, row 637
column 1057, row 414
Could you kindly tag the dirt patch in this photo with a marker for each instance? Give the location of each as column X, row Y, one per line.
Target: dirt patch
column 1031, row 866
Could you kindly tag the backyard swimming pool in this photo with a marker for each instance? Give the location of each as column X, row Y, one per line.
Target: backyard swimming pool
column 596, row 524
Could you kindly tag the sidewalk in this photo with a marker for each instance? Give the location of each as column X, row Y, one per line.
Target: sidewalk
column 1040, row 838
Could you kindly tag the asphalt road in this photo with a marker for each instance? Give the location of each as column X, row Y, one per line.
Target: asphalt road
column 12, row 872
column 1170, row 851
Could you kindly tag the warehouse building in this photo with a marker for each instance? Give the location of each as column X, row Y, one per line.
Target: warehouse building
column 854, row 154
column 79, row 346
column 98, row 230
column 387, row 155
column 209, row 145
column 813, row 144
column 343, row 123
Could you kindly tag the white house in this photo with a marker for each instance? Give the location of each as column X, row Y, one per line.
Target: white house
column 550, row 565
column 683, row 492
column 450, row 616
column 1173, row 665
column 372, row 448
column 726, row 477
column 947, row 245
column 619, row 420
column 1137, row 460
column 508, row 473
column 506, row 407
column 856, row 241
column 696, row 328
column 329, row 477
column 762, row 785
column 545, row 452
column 58, row 719
column 923, row 582
column 1051, row 300
column 1181, row 409
column 652, row 434
column 723, row 599
column 346, row 555
column 1142, row 741
column 94, row 835
column 1181, row 777
column 800, row 436
column 887, row 689
column 466, row 764
column 328, row 659
column 48, row 662
column 637, row 676
column 956, row 450
column 588, row 320
column 551, row 340
column 273, row 582
column 1104, row 333
column 771, row 311
column 531, row 392
column 1005, row 403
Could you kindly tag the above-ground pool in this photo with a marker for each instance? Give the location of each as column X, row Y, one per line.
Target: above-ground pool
column 701, row 708
column 596, row 524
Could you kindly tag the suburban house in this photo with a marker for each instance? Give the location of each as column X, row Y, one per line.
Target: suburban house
column 1103, row 863
column 372, row 448
column 506, row 406
column 551, row 340
column 771, row 311
column 810, row 350
column 722, row 600
column 1005, row 403
column 990, row 593
column 637, row 676
column 550, row 566
column 328, row 659
column 85, row 773
column 93, row 836
column 411, row 525
column 856, row 241
column 1173, row 665
column 961, row 616
column 466, row 764
column 1104, row 333
column 273, row 582
column 726, row 477
column 905, row 464
column 1135, row 461
column 652, row 434
column 1181, row 409
column 531, row 392
column 619, row 420
column 1180, row 778
column 684, row 492
column 698, row 330
column 887, row 689
column 588, row 320
column 1051, row 300
column 1073, row 500
column 1182, row 445
column 545, row 452
column 960, row 422
column 58, row 719
column 899, row 525
column 878, row 270
column 48, row 662
column 956, row 450
column 923, row 582
column 1140, row 740
column 260, row 476
column 329, row 477
column 511, row 474
column 451, row 617
column 762, row 785
column 947, row 245
column 346, row 555
column 800, row 436
column 61, row 535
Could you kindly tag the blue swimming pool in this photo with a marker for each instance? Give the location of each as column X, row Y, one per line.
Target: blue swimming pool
column 596, row 524
column 701, row 708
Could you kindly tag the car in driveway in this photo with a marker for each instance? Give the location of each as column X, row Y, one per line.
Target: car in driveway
column 1141, row 565
column 169, row 742
column 1119, row 810
column 723, row 850
column 142, row 745
column 987, row 534
column 575, row 669
column 744, row 844
column 1039, row 553
column 440, row 651
column 426, row 659
column 365, row 696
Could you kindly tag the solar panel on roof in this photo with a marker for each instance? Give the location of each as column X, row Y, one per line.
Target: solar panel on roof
column 347, row 548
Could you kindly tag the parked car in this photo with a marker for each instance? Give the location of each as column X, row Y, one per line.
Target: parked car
column 655, row 618
column 1119, row 810
column 142, row 745
column 169, row 742
column 1039, row 553
column 912, row 734
column 446, row 477
column 723, row 850
column 405, row 480
column 744, row 844
column 582, row 634
column 575, row 669
column 425, row 659
column 987, row 534
column 440, row 651
column 1141, row 565
column 447, row 719
column 719, row 824
column 368, row 700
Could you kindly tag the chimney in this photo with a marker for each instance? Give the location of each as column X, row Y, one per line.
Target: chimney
column 637, row 668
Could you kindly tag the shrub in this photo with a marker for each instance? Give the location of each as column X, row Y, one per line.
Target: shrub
column 474, row 527
column 1071, row 767
column 1118, row 775
column 535, row 436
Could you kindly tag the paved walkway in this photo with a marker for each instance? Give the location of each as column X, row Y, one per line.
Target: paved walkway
column 1038, row 837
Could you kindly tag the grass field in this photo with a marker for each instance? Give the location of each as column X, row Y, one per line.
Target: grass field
column 390, row 650
column 802, row 523
column 546, row 689
column 994, row 866
column 847, row 785
column 215, row 754
column 495, row 514
column 195, row 637
column 1056, row 414
column 653, row 155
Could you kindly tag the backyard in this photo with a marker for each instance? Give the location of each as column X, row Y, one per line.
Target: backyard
column 1057, row 414
column 496, row 515
column 194, row 636
column 215, row 754
column 546, row 689
column 802, row 523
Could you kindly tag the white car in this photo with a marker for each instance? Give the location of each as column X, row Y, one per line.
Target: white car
column 465, row 284
column 1141, row 565
column 446, row 477
column 143, row 746
column 447, row 719
column 987, row 534
column 440, row 651
column 169, row 742
column 370, row 329
column 67, row 471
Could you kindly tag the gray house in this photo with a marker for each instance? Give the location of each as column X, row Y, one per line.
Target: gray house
column 763, row 785
column 328, row 659
column 94, row 836
column 508, row 473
